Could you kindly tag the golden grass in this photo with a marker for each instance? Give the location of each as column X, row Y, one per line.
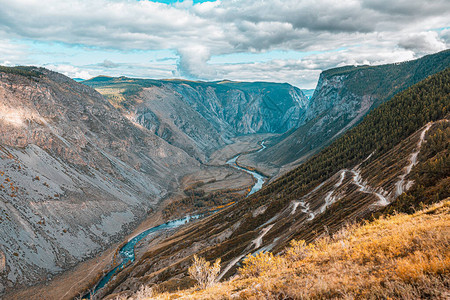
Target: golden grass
column 399, row 257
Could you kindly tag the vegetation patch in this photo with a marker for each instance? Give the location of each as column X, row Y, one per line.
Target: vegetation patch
column 401, row 256
column 29, row 72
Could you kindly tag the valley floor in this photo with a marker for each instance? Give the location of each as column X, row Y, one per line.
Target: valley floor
column 397, row 257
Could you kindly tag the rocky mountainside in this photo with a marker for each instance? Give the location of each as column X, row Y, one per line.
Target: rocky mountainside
column 343, row 96
column 201, row 117
column 75, row 175
column 308, row 93
column 362, row 172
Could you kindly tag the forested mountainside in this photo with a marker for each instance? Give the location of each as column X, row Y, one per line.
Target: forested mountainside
column 201, row 117
column 75, row 175
column 343, row 96
column 358, row 175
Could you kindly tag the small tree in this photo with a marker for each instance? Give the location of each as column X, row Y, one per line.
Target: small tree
column 203, row 272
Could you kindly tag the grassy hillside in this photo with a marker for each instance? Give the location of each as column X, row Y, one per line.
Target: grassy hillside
column 399, row 257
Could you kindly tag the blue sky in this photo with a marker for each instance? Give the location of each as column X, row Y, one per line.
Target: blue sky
column 262, row 40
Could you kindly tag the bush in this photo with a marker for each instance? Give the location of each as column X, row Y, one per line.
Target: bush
column 203, row 272
column 298, row 250
column 261, row 264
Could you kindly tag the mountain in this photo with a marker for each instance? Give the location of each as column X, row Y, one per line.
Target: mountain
column 75, row 175
column 359, row 174
column 308, row 93
column 343, row 96
column 201, row 117
column 79, row 169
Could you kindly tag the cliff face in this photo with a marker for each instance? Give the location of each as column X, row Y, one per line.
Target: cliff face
column 75, row 175
column 342, row 98
column 201, row 117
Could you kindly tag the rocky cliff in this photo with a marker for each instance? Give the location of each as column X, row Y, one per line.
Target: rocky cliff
column 75, row 175
column 201, row 117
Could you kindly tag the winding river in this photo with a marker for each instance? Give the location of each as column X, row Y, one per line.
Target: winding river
column 260, row 179
column 126, row 254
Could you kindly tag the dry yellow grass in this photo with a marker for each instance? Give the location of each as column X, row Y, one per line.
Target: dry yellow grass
column 399, row 257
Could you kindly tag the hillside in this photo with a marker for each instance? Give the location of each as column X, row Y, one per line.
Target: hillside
column 398, row 257
column 201, row 117
column 342, row 98
column 356, row 176
column 75, row 175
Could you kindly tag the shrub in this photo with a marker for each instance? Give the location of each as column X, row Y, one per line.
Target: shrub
column 261, row 264
column 298, row 250
column 203, row 272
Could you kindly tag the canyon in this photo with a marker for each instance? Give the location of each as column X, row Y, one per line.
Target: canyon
column 86, row 167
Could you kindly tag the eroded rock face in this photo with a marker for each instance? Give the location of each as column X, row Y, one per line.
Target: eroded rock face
column 75, row 175
column 201, row 117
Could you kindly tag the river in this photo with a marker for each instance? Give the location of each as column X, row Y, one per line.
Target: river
column 126, row 254
column 260, row 179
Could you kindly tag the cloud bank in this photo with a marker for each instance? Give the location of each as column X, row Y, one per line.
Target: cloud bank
column 333, row 33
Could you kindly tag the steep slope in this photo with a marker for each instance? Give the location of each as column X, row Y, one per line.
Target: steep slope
column 75, row 175
column 410, row 251
column 356, row 176
column 343, row 96
column 201, row 117
column 308, row 93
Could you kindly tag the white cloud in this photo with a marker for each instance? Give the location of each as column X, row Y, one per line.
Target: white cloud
column 193, row 62
column 12, row 54
column 423, row 42
column 70, row 71
column 375, row 31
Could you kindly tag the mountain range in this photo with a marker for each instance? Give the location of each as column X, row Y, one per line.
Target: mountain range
column 342, row 98
column 84, row 163
column 201, row 117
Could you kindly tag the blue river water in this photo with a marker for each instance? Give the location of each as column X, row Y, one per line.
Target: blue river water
column 260, row 179
column 126, row 254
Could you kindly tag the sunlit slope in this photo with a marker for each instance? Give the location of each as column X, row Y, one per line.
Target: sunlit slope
column 399, row 257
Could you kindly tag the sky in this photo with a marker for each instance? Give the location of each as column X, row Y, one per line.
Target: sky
column 244, row 40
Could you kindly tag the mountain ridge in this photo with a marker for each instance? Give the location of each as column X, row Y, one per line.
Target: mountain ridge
column 201, row 117
column 64, row 148
column 343, row 96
